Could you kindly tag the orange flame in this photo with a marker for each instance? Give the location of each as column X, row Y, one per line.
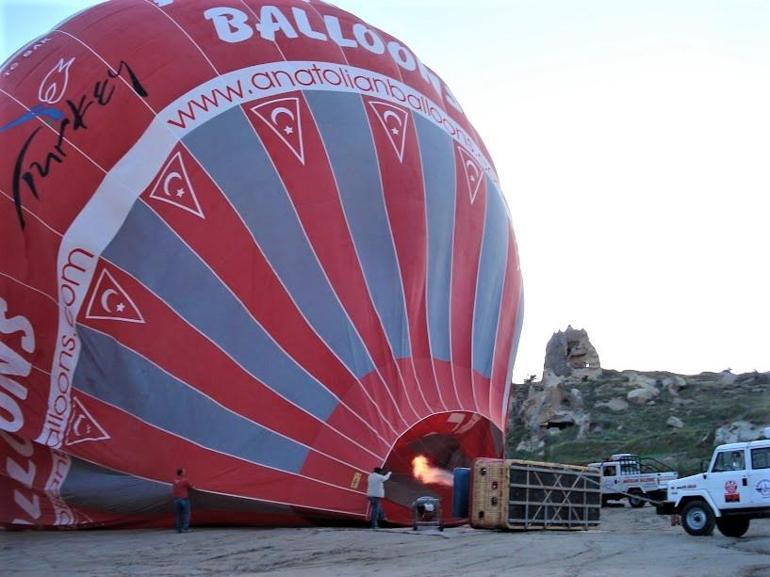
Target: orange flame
column 424, row 472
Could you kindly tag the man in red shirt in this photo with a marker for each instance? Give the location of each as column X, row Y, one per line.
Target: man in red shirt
column 180, row 489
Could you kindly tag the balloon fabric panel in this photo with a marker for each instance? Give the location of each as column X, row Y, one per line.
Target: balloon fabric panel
column 257, row 240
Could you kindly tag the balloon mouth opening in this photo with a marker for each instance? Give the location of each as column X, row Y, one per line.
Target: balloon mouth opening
column 424, row 458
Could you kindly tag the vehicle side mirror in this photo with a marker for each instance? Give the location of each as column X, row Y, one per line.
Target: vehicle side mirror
column 705, row 475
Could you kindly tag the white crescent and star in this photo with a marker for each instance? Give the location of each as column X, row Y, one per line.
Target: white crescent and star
column 283, row 111
column 173, row 175
column 105, row 301
column 390, row 114
column 109, row 301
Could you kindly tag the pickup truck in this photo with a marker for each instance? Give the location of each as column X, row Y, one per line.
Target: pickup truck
column 734, row 490
column 628, row 476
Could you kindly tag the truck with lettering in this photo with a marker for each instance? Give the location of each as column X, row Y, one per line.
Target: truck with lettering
column 734, row 490
column 637, row 479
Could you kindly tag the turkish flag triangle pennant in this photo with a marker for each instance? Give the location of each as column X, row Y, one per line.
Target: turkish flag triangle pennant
column 284, row 118
column 473, row 173
column 394, row 121
column 82, row 426
column 173, row 186
column 110, row 302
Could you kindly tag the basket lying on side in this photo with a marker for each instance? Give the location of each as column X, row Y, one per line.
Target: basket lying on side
column 524, row 495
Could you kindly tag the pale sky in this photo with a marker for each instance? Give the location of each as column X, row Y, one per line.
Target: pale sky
column 632, row 139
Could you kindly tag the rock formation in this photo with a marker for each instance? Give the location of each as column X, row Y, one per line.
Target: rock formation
column 570, row 353
column 579, row 411
column 616, row 405
column 737, row 432
column 675, row 422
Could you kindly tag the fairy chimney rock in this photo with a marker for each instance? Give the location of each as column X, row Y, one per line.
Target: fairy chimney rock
column 570, row 353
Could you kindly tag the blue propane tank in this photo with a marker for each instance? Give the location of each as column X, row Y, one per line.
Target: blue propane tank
column 460, row 492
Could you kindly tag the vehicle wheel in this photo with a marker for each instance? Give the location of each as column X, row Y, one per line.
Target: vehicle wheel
column 698, row 519
column 733, row 526
column 440, row 527
column 414, row 526
column 635, row 500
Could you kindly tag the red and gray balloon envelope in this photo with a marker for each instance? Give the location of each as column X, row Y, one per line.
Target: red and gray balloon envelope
column 258, row 241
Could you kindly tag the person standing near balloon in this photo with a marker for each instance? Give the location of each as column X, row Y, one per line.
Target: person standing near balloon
column 180, row 489
column 375, row 491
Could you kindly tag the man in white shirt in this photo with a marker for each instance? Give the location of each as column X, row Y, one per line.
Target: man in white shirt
column 376, row 491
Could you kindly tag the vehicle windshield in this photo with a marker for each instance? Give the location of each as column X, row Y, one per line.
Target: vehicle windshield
column 729, row 461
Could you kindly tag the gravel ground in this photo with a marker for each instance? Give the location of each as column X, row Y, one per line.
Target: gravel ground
column 630, row 542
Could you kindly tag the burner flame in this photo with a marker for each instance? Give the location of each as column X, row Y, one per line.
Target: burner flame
column 426, row 473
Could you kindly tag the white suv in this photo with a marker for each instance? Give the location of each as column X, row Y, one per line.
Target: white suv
column 734, row 490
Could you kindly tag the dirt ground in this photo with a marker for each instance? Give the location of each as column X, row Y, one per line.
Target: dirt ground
column 631, row 542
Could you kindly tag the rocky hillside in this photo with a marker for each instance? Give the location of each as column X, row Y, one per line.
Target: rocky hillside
column 580, row 412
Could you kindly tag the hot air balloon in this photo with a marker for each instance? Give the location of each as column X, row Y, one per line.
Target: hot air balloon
column 258, row 240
